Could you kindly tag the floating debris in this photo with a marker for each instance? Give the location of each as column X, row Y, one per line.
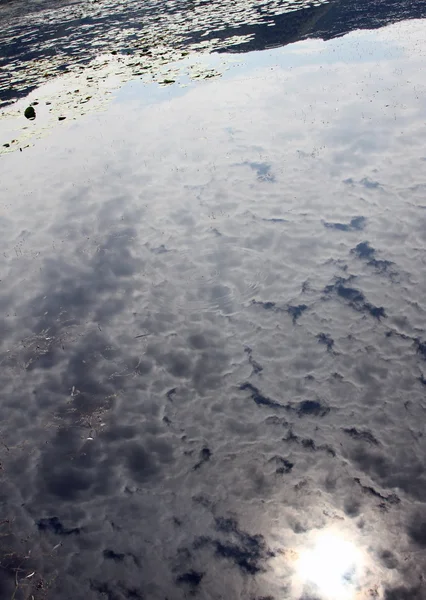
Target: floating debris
column 30, row 113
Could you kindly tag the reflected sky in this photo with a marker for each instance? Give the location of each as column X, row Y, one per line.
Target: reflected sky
column 213, row 339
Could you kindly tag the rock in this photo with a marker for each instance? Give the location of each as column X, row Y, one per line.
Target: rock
column 61, row 118
column 30, row 113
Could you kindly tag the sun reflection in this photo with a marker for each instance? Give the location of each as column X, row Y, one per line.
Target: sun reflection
column 332, row 566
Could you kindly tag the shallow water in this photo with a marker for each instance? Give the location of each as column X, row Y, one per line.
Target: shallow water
column 213, row 346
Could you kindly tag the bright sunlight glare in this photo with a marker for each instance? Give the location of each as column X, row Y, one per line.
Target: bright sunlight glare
column 331, row 566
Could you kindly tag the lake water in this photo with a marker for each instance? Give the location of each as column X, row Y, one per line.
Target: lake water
column 213, row 338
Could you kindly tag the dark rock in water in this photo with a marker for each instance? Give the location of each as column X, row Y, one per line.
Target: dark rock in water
column 61, row 118
column 30, row 113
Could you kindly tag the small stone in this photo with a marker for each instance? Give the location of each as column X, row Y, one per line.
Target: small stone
column 61, row 118
column 6, row 145
column 30, row 113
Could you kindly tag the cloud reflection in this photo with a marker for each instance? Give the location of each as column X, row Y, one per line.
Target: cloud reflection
column 192, row 352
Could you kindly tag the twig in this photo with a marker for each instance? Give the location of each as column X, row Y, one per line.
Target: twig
column 16, row 585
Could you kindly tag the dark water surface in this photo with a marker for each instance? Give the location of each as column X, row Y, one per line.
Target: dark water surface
column 213, row 339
